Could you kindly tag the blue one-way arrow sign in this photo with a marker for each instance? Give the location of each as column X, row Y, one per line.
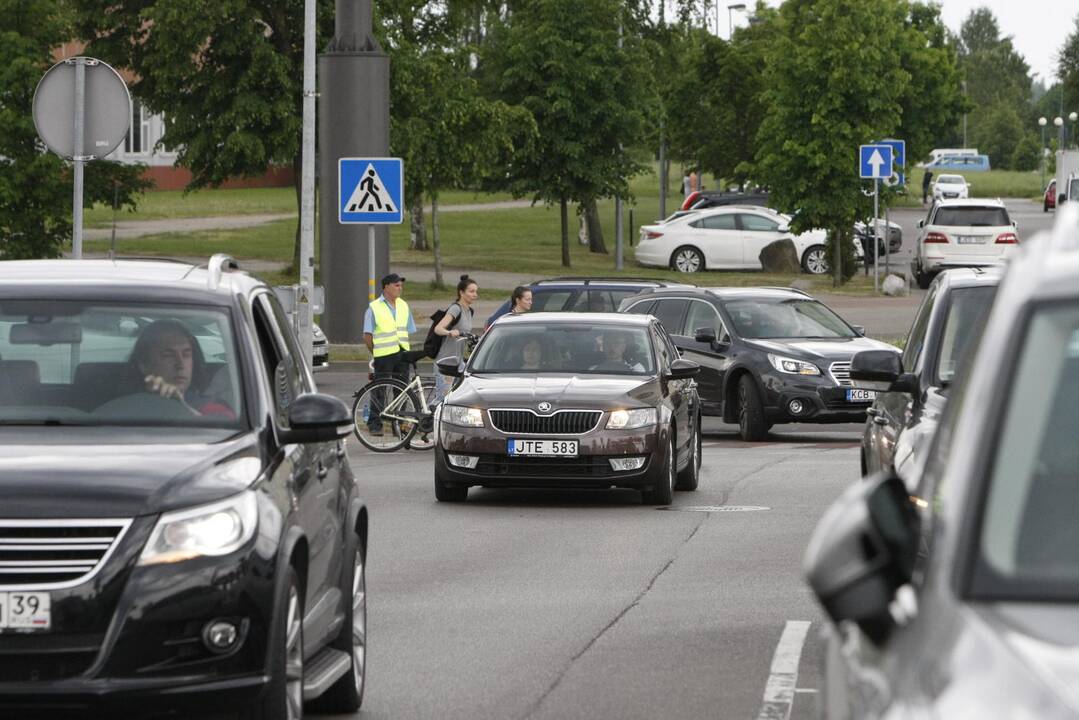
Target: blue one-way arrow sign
column 899, row 158
column 875, row 161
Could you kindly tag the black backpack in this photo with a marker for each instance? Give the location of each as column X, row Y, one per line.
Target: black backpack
column 433, row 343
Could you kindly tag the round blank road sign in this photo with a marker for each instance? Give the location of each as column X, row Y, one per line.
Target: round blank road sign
column 107, row 112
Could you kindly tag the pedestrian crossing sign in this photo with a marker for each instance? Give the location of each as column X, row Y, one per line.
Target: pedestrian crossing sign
column 370, row 190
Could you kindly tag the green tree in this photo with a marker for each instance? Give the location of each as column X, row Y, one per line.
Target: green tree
column 832, row 84
column 999, row 133
column 226, row 74
column 36, row 185
column 561, row 60
column 448, row 135
column 1027, row 155
column 1068, row 68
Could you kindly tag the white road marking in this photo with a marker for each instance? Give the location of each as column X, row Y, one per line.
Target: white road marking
column 780, row 688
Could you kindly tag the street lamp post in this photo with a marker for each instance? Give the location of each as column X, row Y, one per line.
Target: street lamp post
column 1073, row 116
column 1059, row 122
column 1042, row 123
column 730, row 17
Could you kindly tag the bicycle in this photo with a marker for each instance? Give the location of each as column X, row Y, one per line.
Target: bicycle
column 403, row 412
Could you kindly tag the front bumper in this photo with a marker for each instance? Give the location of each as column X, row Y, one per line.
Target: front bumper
column 320, row 354
column 590, row 469
column 135, row 635
column 821, row 399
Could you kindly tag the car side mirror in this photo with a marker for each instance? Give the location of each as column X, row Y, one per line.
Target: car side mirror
column 449, row 366
column 1061, row 199
column 875, row 369
column 921, row 223
column 682, row 369
column 705, row 335
column 860, row 329
column 783, row 229
column 862, row 551
column 317, row 417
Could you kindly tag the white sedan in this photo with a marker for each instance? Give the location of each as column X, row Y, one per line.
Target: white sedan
column 950, row 187
column 727, row 238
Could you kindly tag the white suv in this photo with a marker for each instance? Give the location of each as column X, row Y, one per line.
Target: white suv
column 962, row 233
column 947, row 187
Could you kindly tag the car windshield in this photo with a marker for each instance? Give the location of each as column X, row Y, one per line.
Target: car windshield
column 762, row 318
column 578, row 348
column 967, row 311
column 1028, row 545
column 971, row 216
column 79, row 363
column 951, row 180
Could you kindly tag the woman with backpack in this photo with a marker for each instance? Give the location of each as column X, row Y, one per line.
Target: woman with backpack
column 454, row 326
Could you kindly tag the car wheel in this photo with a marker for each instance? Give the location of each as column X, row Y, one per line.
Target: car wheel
column 663, row 492
column 690, row 475
column 346, row 695
column 815, row 260
column 751, row 422
column 449, row 493
column 923, row 279
column 283, row 698
column 687, row 259
column 1045, row 206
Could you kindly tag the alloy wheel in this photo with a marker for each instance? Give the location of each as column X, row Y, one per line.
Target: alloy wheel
column 294, row 656
column 359, row 624
column 817, row 261
column 687, row 261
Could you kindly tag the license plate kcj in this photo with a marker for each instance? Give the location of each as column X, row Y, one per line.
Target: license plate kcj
column 861, row 395
column 553, row 448
column 25, row 611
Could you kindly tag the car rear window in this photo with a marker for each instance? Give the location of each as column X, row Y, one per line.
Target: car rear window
column 971, row 216
column 549, row 300
column 967, row 311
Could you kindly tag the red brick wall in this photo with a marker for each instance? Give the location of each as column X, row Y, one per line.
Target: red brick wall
column 177, row 178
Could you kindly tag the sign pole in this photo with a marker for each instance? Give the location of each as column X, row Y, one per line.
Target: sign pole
column 371, row 263
column 304, row 319
column 77, row 157
column 876, row 233
column 887, row 244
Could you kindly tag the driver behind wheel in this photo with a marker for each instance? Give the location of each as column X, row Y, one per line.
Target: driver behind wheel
column 168, row 362
column 615, row 358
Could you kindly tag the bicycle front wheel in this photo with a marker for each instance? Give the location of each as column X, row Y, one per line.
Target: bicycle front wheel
column 424, row 437
column 385, row 415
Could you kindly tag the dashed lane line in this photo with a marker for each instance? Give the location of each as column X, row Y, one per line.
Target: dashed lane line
column 782, row 682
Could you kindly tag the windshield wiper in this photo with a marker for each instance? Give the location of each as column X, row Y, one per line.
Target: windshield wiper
column 50, row 422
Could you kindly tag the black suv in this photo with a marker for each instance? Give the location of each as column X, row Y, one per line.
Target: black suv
column 912, row 394
column 179, row 525
column 767, row 355
column 584, row 294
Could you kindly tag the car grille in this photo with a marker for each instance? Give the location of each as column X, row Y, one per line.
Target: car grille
column 55, row 553
column 840, row 372
column 584, row 466
column 526, row 422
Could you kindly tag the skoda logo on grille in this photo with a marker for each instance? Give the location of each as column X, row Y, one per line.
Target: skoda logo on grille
column 544, row 407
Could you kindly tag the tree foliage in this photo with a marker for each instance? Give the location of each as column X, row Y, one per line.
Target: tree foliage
column 36, row 185
column 1068, row 64
column 832, row 84
column 560, row 60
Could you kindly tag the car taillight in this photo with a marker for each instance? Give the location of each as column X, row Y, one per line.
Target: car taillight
column 652, row 235
column 690, row 199
column 934, row 237
column 1007, row 239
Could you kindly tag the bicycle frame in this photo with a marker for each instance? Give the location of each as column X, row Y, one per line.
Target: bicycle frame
column 414, row 385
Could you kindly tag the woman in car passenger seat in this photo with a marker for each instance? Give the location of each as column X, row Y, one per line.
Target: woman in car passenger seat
column 168, row 362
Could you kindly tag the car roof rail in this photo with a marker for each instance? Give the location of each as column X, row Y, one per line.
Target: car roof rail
column 800, row 291
column 587, row 280
column 218, row 265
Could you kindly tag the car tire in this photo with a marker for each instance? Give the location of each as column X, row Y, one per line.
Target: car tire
column 283, row 697
column 663, row 492
column 815, row 260
column 346, row 695
column 923, row 279
column 1045, row 206
column 690, row 475
column 445, row 492
column 687, row 259
column 751, row 421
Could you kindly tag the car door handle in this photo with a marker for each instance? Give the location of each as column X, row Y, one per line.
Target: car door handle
column 880, row 421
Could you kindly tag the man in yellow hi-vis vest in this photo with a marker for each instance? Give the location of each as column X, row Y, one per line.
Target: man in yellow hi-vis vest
column 386, row 327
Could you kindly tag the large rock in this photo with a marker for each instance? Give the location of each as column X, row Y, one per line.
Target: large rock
column 780, row 257
column 894, row 285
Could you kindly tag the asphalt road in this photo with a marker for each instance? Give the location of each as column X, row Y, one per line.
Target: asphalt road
column 586, row 604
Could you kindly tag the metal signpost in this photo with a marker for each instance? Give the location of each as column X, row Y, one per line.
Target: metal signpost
column 897, row 179
column 82, row 111
column 875, row 162
column 371, row 192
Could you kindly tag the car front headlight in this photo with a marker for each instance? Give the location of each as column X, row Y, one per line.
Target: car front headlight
column 463, row 416
column 792, row 366
column 630, row 419
column 208, row 530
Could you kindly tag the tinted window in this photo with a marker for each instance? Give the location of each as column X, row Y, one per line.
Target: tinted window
column 716, row 222
column 642, row 308
column 967, row 311
column 916, row 338
column 701, row 315
column 785, row 318
column 601, row 300
column 972, row 216
column 1029, row 538
column 757, row 223
column 670, row 313
column 94, row 363
column 565, row 348
column 550, row 300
